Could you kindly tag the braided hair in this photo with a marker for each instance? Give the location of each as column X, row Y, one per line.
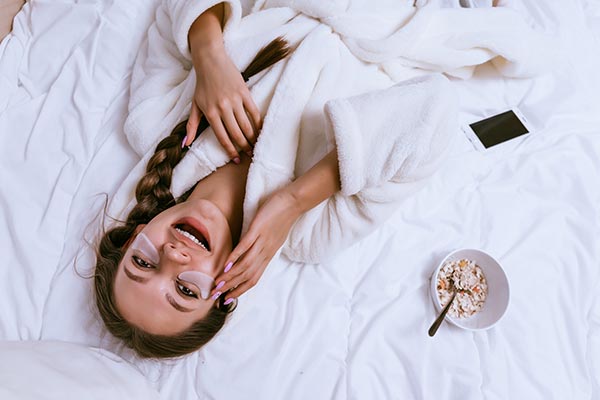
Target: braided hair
column 153, row 196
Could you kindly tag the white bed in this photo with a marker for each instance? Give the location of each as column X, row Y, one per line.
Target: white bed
column 352, row 328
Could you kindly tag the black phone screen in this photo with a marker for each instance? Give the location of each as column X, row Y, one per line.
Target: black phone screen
column 498, row 128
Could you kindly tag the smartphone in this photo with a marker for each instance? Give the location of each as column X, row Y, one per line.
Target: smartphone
column 475, row 3
column 497, row 129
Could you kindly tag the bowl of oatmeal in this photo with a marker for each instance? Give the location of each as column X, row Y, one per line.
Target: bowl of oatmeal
column 482, row 289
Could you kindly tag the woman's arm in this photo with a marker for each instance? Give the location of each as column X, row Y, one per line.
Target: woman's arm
column 319, row 183
column 207, row 30
column 272, row 223
column 221, row 94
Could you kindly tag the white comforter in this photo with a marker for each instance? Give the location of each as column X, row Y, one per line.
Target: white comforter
column 354, row 327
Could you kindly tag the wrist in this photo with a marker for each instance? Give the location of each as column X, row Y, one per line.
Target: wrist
column 316, row 185
column 297, row 202
column 206, row 49
column 292, row 197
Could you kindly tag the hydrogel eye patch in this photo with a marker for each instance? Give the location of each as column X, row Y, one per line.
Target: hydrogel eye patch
column 202, row 281
column 143, row 244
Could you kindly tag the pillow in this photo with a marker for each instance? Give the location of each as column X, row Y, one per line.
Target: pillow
column 60, row 370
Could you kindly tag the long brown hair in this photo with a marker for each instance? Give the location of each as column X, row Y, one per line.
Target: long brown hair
column 153, row 195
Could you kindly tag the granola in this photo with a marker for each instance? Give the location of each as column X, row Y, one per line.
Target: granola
column 468, row 280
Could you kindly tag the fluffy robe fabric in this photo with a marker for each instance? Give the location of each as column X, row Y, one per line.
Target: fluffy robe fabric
column 338, row 88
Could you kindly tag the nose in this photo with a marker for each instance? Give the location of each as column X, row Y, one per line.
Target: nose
column 176, row 252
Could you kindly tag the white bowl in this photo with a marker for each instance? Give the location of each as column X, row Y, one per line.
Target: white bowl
column 498, row 295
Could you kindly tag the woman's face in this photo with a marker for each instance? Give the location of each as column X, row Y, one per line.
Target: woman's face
column 149, row 291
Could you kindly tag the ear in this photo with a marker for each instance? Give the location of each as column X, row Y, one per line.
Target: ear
column 136, row 231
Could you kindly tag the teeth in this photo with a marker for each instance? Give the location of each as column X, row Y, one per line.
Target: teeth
column 191, row 237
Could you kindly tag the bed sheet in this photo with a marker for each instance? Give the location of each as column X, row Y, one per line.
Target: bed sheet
column 351, row 328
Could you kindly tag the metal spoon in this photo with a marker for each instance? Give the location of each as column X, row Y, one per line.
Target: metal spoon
column 436, row 324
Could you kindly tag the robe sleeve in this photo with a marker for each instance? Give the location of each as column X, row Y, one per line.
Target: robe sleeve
column 389, row 142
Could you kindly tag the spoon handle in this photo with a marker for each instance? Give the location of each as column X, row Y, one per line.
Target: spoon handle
column 436, row 324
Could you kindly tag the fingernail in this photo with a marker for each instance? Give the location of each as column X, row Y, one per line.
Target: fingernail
column 229, row 301
column 249, row 153
column 183, row 142
column 216, row 295
column 220, row 285
column 228, row 267
column 236, row 160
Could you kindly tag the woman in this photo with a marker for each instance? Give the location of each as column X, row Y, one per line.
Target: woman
column 179, row 319
column 168, row 276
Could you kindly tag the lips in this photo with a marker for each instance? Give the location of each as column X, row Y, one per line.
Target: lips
column 193, row 231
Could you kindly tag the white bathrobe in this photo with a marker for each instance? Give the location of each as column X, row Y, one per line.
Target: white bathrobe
column 345, row 85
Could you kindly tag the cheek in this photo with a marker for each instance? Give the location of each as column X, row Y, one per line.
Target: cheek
column 225, row 250
column 157, row 226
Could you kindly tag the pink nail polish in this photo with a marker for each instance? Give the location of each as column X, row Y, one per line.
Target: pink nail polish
column 228, row 267
column 220, row 285
column 229, row 301
column 183, row 142
column 236, row 160
column 216, row 295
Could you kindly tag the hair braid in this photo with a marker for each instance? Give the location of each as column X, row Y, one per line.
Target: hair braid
column 153, row 193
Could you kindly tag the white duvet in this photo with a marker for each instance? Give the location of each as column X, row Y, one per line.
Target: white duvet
column 354, row 327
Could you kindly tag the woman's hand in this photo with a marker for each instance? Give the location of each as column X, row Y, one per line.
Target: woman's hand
column 267, row 233
column 221, row 94
column 272, row 223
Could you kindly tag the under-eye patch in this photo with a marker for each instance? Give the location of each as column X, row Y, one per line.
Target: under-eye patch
column 143, row 245
column 203, row 282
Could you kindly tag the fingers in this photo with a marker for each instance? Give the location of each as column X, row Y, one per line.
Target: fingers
column 234, row 275
column 236, row 123
column 192, row 124
column 235, row 132
column 242, row 247
column 245, row 125
column 214, row 119
column 253, row 111
column 242, row 276
column 240, row 290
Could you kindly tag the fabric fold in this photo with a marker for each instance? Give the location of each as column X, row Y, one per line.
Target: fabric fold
column 388, row 141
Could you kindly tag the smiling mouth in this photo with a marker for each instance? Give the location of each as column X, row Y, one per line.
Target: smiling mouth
column 193, row 233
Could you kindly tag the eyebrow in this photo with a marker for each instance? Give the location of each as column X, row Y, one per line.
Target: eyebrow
column 169, row 298
column 176, row 306
column 134, row 277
